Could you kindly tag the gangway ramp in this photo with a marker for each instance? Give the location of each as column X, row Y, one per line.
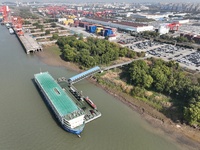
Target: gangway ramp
column 84, row 75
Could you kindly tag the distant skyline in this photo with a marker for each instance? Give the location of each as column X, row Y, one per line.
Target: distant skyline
column 129, row 1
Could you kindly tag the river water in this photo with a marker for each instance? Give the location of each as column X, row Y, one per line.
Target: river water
column 27, row 124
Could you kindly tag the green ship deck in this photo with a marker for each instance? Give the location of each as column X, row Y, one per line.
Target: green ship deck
column 61, row 101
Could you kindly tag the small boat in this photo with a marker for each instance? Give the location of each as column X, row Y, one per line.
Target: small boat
column 90, row 102
column 8, row 25
column 11, row 31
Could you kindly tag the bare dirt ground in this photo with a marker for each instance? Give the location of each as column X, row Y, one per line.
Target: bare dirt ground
column 188, row 137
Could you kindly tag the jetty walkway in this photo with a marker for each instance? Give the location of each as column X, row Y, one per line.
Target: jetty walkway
column 97, row 69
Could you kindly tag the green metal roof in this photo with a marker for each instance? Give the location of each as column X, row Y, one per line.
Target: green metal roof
column 61, row 101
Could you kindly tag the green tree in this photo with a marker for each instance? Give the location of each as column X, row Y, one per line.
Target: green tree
column 192, row 114
column 47, row 32
column 55, row 36
column 68, row 53
column 53, row 25
column 138, row 74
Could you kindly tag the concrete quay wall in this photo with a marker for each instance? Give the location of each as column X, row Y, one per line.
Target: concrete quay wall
column 29, row 44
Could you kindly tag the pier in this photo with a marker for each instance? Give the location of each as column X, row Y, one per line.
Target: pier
column 78, row 97
column 29, row 44
column 97, row 69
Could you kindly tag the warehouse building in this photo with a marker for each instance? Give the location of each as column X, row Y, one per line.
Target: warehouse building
column 126, row 26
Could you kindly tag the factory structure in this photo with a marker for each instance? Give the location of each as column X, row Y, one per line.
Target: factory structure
column 157, row 16
column 99, row 24
column 4, row 14
column 126, row 26
column 173, row 26
column 108, row 27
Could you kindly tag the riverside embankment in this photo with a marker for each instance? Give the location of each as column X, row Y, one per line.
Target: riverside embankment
column 26, row 122
column 187, row 136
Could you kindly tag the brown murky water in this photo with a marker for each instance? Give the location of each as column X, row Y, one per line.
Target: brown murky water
column 26, row 123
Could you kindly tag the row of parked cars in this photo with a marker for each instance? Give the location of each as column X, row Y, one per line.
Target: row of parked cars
column 191, row 59
column 144, row 45
column 129, row 40
column 167, row 50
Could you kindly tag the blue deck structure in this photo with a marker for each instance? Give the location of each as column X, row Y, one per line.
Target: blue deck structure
column 84, row 75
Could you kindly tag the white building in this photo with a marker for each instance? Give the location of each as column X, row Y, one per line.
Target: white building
column 120, row 26
column 61, row 19
column 163, row 29
column 152, row 16
column 182, row 21
column 79, row 8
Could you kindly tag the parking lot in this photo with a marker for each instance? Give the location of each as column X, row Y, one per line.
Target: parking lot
column 186, row 57
column 189, row 58
column 129, row 40
column 144, row 45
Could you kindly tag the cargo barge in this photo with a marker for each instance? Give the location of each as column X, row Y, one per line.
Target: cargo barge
column 70, row 116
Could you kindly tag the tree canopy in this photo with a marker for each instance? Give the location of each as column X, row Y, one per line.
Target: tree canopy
column 91, row 51
column 167, row 78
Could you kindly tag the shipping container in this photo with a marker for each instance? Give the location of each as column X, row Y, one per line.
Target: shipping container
column 98, row 30
column 83, row 24
column 92, row 29
column 108, row 32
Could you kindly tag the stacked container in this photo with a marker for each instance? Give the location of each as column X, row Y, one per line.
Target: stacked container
column 83, row 24
column 99, row 30
column 76, row 23
column 92, row 28
column 108, row 32
column 114, row 30
column 87, row 27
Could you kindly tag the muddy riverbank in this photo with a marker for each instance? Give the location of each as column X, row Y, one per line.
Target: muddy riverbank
column 186, row 135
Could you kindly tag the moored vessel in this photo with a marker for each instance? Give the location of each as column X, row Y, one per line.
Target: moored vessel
column 70, row 116
column 90, row 102
column 11, row 31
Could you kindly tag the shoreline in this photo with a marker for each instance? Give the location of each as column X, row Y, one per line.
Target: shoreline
column 186, row 136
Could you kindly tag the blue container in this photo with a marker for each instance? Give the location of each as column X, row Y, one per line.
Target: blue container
column 108, row 32
column 92, row 29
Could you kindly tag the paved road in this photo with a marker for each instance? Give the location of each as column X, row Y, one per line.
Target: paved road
column 77, row 30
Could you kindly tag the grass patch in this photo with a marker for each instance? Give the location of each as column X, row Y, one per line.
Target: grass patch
column 54, row 49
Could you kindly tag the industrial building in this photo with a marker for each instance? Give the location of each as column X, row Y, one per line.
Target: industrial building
column 126, row 26
column 151, row 16
column 163, row 29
